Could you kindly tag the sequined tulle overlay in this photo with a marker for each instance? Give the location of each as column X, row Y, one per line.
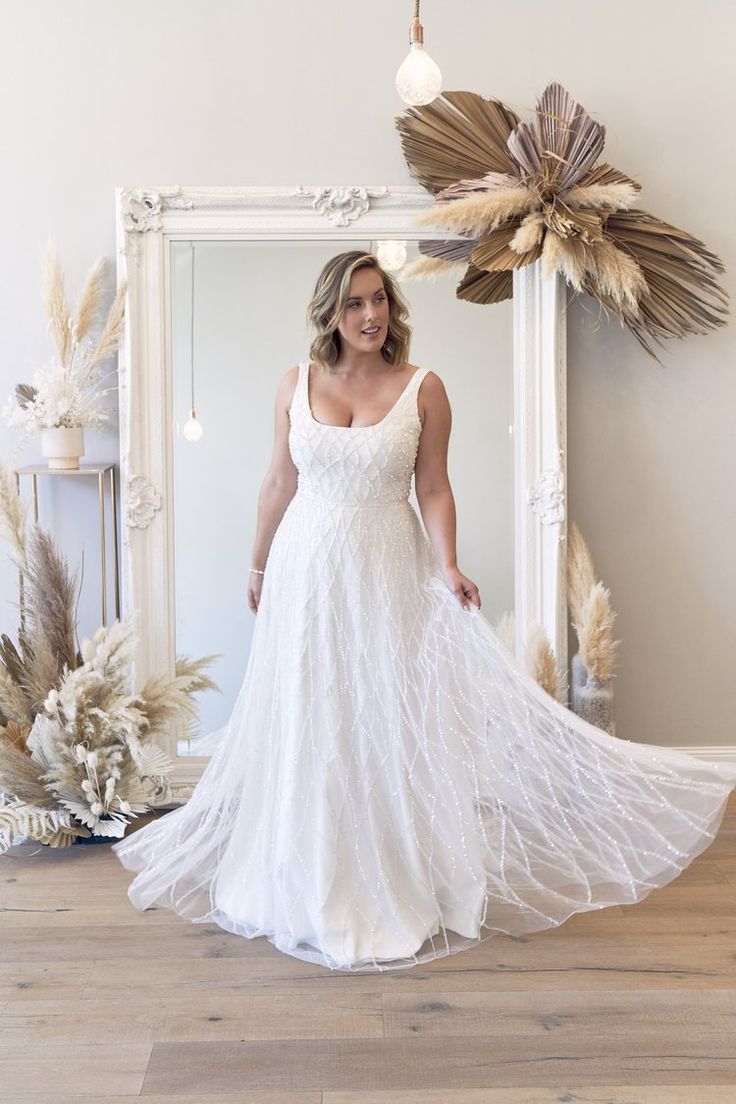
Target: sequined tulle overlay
column 392, row 787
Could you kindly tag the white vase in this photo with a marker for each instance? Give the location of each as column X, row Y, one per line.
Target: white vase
column 62, row 446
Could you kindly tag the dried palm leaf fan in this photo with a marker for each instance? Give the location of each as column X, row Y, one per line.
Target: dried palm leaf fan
column 518, row 192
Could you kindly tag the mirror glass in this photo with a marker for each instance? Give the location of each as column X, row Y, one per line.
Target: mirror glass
column 238, row 322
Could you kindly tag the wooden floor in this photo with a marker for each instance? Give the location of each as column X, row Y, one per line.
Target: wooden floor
column 633, row 1005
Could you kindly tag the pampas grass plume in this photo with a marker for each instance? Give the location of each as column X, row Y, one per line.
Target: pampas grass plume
column 539, row 659
column 580, row 571
column 597, row 648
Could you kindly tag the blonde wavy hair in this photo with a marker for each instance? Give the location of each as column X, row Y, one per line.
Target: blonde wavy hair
column 328, row 303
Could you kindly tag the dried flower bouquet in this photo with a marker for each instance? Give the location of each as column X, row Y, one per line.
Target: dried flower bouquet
column 78, row 751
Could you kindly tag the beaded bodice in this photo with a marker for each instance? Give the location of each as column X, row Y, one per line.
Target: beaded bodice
column 358, row 465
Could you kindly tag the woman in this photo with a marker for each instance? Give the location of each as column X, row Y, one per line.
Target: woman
column 392, row 787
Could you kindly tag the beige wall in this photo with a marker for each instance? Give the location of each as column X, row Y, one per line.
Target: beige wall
column 97, row 95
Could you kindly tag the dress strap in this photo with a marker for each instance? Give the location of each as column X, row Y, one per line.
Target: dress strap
column 302, row 386
column 411, row 389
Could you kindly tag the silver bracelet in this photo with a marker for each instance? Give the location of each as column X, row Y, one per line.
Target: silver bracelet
column 257, row 569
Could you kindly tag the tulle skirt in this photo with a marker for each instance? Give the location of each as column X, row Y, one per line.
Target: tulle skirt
column 392, row 786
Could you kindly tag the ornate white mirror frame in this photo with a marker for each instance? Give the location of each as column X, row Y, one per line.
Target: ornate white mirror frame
column 147, row 220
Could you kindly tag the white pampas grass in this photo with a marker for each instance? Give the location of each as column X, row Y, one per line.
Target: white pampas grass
column 539, row 659
column 591, row 612
column 594, row 631
column 430, row 268
column 480, row 212
column 67, row 390
column 580, row 571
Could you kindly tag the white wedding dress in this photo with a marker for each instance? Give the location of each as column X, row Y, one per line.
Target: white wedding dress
column 392, row 786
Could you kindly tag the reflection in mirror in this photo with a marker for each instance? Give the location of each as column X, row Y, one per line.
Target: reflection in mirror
column 238, row 322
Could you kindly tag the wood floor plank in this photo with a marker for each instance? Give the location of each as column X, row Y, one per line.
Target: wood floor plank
column 394, row 1064
column 42, row 980
column 188, row 1098
column 74, row 1067
column 581, row 1094
column 562, row 1094
column 538, row 960
column 178, row 940
column 208, row 1015
column 559, row 1013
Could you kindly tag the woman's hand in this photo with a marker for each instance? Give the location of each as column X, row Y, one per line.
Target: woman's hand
column 462, row 587
column 255, row 582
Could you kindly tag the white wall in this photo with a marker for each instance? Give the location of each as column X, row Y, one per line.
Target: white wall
column 97, row 95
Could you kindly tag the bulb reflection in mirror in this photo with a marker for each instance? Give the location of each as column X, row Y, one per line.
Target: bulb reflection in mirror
column 192, row 430
column 391, row 254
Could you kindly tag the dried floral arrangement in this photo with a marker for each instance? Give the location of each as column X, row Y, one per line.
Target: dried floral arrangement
column 539, row 658
column 520, row 192
column 67, row 390
column 590, row 610
column 78, row 755
column 592, row 617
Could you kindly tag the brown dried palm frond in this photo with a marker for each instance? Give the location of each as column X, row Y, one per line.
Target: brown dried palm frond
column 680, row 272
column 25, row 394
column 22, row 776
column 580, row 571
column 479, row 286
column 10, row 659
column 594, row 629
column 459, row 134
column 494, row 251
column 14, row 704
column 531, row 190
column 602, row 174
column 17, row 734
column 51, row 591
column 55, row 302
column 90, row 300
column 563, row 144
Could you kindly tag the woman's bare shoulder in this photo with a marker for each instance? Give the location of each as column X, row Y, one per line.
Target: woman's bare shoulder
column 287, row 385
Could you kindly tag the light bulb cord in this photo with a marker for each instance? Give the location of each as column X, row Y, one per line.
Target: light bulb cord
column 191, row 330
column 416, row 31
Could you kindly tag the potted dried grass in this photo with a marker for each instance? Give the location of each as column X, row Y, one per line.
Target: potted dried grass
column 592, row 618
column 67, row 393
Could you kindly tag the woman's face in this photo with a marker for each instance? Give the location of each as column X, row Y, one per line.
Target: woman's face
column 367, row 309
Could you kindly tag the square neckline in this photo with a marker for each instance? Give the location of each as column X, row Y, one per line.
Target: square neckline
column 328, row 425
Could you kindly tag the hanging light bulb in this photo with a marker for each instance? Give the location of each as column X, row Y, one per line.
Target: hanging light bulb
column 391, row 254
column 418, row 80
column 192, row 429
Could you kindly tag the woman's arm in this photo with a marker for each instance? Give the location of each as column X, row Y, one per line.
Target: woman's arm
column 278, row 487
column 433, row 490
